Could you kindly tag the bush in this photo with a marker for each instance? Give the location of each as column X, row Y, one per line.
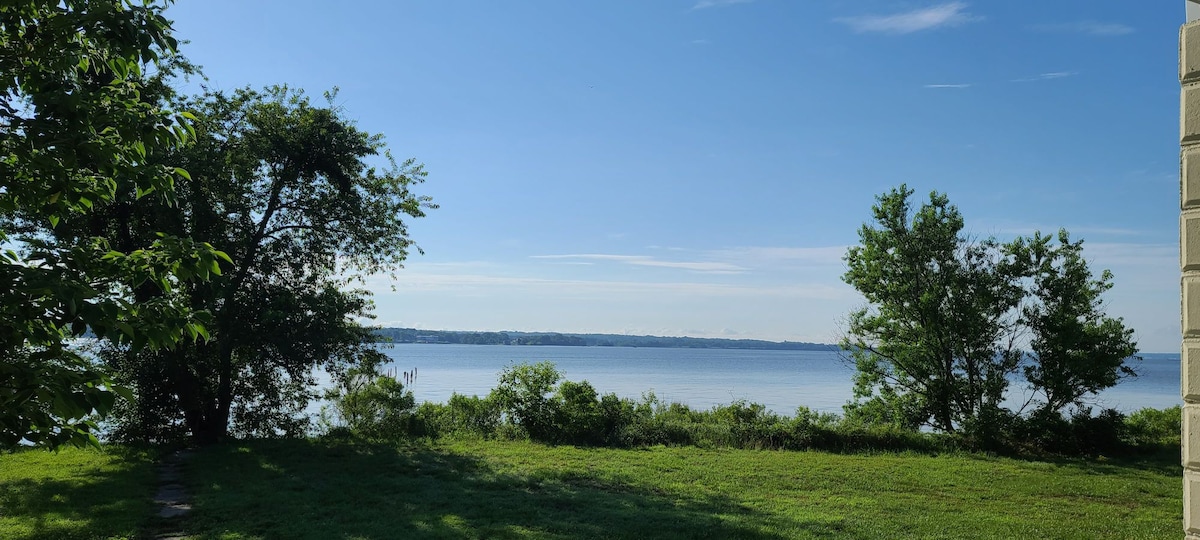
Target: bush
column 617, row 415
column 368, row 404
column 531, row 402
column 577, row 418
column 1080, row 434
column 461, row 416
column 1150, row 428
column 523, row 395
column 1100, row 434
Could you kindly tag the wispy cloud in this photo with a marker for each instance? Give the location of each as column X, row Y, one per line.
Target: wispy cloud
column 463, row 283
column 1091, row 28
column 707, row 267
column 769, row 256
column 943, row 15
column 1077, row 231
column 705, row 4
column 1048, row 76
column 1105, row 254
column 965, row 85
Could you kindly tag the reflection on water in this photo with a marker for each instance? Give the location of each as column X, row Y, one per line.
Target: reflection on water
column 701, row 378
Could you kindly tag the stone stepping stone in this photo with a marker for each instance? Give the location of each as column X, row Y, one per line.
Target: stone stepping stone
column 171, row 494
column 172, row 497
column 170, row 511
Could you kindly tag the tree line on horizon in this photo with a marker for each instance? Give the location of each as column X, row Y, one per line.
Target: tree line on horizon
column 413, row 335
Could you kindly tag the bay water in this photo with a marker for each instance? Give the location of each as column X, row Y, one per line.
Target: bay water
column 702, row 378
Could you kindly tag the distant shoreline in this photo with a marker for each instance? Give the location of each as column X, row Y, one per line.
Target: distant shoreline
column 412, row 335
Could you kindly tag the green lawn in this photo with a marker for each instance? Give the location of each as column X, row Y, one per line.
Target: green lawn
column 75, row 494
column 487, row 489
column 294, row 489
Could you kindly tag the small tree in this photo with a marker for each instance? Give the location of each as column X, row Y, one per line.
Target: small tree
column 1076, row 349
column 938, row 342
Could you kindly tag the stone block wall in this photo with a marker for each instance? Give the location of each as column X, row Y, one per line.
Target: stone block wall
column 1189, row 257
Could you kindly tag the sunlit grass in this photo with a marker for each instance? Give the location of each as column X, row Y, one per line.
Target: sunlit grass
column 490, row 489
column 75, row 494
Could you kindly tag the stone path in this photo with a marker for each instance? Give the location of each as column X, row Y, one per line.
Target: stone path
column 172, row 499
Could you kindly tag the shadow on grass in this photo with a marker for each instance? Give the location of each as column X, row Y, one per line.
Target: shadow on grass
column 306, row 489
column 93, row 500
column 1162, row 461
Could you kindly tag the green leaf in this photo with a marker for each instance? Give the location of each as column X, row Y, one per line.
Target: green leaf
column 125, row 392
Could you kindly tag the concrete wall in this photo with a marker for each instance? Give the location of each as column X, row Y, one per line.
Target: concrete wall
column 1189, row 241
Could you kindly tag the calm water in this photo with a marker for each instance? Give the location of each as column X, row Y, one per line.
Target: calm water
column 701, row 378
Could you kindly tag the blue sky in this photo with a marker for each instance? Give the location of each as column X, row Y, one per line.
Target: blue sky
column 698, row 167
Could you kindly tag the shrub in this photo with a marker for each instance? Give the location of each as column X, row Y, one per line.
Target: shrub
column 1081, row 433
column 523, row 395
column 368, row 404
column 531, row 402
column 461, row 415
column 1148, row 428
column 578, row 418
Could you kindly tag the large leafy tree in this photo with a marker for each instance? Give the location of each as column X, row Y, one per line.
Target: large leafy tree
column 285, row 188
column 947, row 318
column 73, row 124
column 938, row 303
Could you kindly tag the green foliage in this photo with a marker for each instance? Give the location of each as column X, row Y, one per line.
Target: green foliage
column 460, row 416
column 577, row 417
column 74, row 123
column 524, row 392
column 282, row 185
column 568, row 412
column 368, row 404
column 937, row 308
column 1078, row 350
column 1147, row 428
column 938, row 341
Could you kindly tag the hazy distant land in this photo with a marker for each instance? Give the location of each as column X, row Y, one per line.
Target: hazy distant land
column 412, row 335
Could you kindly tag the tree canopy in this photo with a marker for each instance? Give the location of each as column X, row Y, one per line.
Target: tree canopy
column 73, row 124
column 285, row 188
column 951, row 321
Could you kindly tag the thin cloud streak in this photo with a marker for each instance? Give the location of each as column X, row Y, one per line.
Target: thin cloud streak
column 705, row 4
column 421, row 281
column 642, row 260
column 944, row 15
column 1160, row 256
column 1048, row 76
column 1077, row 232
column 1091, row 28
column 817, row 256
column 947, row 86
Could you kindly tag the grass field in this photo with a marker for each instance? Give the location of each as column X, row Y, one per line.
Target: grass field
column 288, row 489
column 75, row 494
column 490, row 489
